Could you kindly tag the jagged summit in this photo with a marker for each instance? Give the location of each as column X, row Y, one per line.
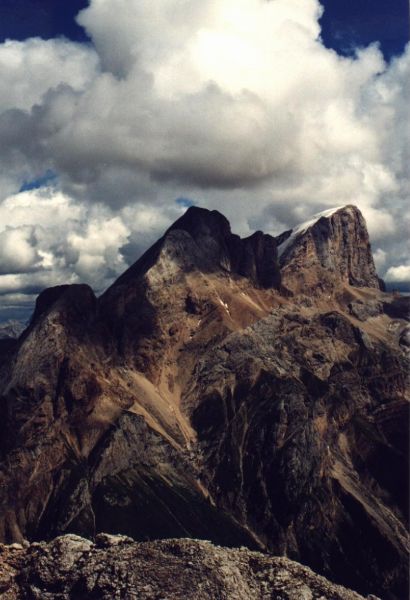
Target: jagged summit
column 201, row 240
column 197, row 256
column 78, row 299
column 287, row 239
column 199, row 221
column 332, row 247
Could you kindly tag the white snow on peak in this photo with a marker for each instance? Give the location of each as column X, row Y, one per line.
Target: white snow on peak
column 303, row 227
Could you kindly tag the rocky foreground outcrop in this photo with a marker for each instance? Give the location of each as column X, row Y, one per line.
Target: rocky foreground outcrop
column 73, row 568
column 223, row 389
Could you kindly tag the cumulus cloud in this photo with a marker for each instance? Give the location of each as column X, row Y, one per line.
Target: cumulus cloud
column 17, row 250
column 29, row 69
column 53, row 233
column 56, row 239
column 398, row 274
column 379, row 256
column 236, row 104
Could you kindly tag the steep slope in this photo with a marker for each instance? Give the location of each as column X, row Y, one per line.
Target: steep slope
column 91, row 376
column 82, row 433
column 302, row 421
column 181, row 289
column 213, row 392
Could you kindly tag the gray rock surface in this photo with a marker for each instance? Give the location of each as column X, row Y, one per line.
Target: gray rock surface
column 71, row 567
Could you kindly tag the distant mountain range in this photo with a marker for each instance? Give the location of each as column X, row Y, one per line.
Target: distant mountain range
column 252, row 392
column 11, row 329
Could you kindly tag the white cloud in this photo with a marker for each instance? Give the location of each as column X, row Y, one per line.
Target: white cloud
column 97, row 248
column 235, row 103
column 29, row 69
column 17, row 251
column 379, row 259
column 398, row 274
column 56, row 239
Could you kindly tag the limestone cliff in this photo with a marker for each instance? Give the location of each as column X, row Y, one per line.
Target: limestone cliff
column 330, row 248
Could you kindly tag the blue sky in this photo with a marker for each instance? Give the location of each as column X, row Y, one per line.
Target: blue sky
column 45, row 179
column 346, row 24
column 21, row 19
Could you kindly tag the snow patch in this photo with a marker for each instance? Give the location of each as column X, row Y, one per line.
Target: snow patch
column 303, row 227
column 225, row 305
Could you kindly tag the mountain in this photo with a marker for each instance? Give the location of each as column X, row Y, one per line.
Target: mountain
column 11, row 329
column 246, row 391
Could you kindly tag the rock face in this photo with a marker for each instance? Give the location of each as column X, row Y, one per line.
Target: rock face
column 214, row 392
column 117, row 567
column 333, row 245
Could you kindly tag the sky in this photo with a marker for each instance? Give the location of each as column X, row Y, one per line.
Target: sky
column 115, row 115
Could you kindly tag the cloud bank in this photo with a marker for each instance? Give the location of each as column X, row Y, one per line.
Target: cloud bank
column 235, row 104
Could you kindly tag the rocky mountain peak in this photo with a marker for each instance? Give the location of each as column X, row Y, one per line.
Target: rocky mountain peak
column 76, row 298
column 332, row 247
column 199, row 222
column 201, row 241
column 211, row 233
